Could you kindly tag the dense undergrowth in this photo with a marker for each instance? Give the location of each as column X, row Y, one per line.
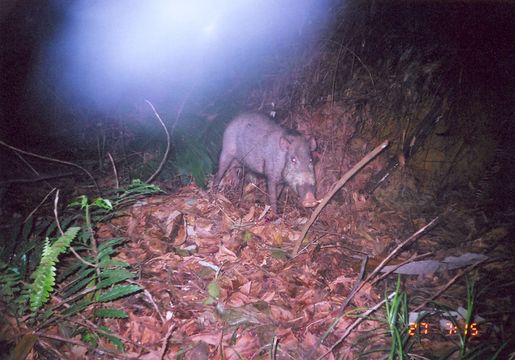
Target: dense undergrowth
column 60, row 260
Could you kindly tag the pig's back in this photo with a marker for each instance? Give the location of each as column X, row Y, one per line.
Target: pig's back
column 253, row 139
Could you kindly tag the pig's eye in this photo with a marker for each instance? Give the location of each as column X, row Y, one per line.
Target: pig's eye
column 293, row 159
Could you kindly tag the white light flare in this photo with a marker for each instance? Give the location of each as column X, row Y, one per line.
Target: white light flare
column 107, row 50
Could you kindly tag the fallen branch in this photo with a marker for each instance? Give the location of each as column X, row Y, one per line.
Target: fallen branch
column 448, row 285
column 165, row 156
column 39, row 205
column 115, row 171
column 164, row 343
column 334, row 190
column 359, row 285
column 98, row 350
column 417, row 140
column 15, row 149
column 358, row 321
column 33, row 180
column 399, row 247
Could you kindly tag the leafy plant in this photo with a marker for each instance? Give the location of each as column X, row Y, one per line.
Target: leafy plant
column 397, row 319
column 135, row 190
column 192, row 159
column 44, row 276
column 197, row 143
column 72, row 266
column 12, row 289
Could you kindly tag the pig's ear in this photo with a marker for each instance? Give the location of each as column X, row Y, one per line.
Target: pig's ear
column 284, row 143
column 312, row 143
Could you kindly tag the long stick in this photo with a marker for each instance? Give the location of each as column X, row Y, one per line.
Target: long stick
column 165, row 156
column 52, row 160
column 334, row 190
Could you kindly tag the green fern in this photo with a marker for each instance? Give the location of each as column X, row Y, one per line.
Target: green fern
column 84, row 282
column 10, row 281
column 138, row 188
column 106, row 333
column 193, row 160
column 71, row 269
column 82, row 278
column 118, row 292
column 101, row 209
column 77, row 308
column 106, row 248
column 113, row 276
column 128, row 195
column 111, row 313
column 12, row 290
column 44, row 276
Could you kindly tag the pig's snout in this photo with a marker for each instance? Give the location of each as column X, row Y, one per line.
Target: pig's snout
column 309, row 200
column 307, row 194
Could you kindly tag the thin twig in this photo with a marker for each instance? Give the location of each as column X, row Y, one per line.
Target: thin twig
column 53, row 160
column 412, row 238
column 84, row 321
column 448, row 285
column 99, row 350
column 334, row 190
column 30, row 166
column 181, row 108
column 114, row 170
column 362, row 63
column 358, row 321
column 150, row 298
column 56, row 202
column 338, row 57
column 165, row 156
column 61, row 302
column 411, row 259
column 40, row 178
column 39, row 205
column 85, row 262
column 359, row 285
column 165, row 341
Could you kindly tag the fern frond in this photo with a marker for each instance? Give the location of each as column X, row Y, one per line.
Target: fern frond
column 44, row 276
column 111, row 313
column 75, row 267
column 118, row 292
column 106, row 249
column 77, row 307
column 138, row 187
column 106, row 333
column 110, row 264
column 9, row 280
column 111, row 243
column 63, row 243
column 88, row 277
column 110, row 277
column 193, row 160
